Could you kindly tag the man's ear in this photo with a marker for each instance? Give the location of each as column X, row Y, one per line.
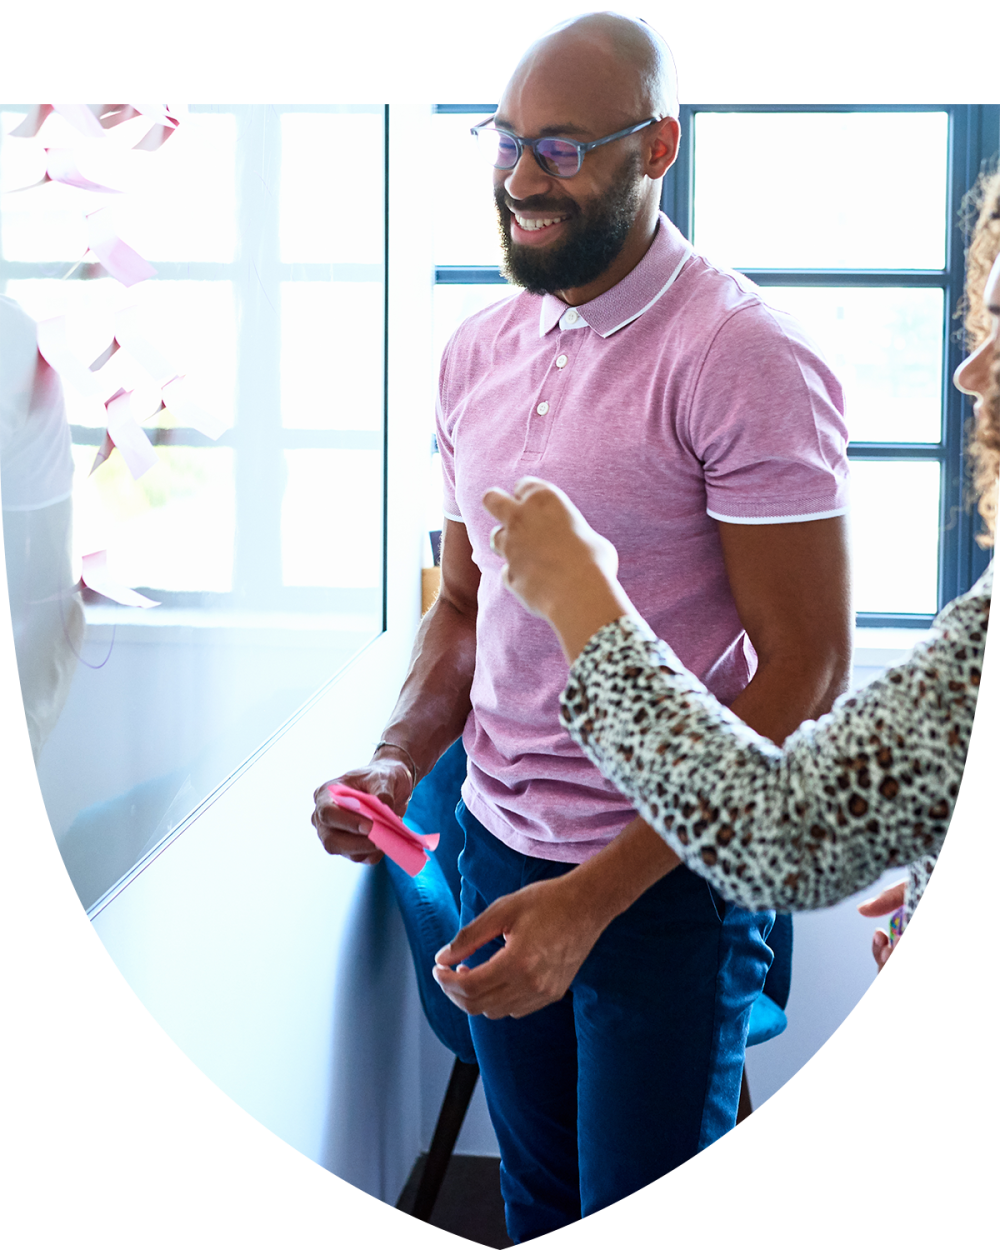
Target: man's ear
column 666, row 139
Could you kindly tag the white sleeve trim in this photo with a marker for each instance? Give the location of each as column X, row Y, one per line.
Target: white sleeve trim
column 450, row 516
column 775, row 520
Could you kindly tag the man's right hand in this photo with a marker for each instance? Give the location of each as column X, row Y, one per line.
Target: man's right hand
column 346, row 833
column 430, row 712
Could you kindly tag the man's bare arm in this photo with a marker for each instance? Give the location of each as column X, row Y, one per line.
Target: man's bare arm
column 792, row 588
column 430, row 712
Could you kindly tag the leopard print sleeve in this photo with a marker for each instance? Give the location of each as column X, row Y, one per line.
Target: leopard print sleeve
column 869, row 786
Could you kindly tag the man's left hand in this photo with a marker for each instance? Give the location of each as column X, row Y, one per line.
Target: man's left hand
column 546, row 940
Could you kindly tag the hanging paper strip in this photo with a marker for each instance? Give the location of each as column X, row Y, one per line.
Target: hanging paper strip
column 120, row 260
column 124, row 432
column 95, row 577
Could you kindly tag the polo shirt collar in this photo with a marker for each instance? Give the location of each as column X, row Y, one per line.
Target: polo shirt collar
column 637, row 291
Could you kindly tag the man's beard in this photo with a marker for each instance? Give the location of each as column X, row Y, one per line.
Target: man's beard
column 594, row 237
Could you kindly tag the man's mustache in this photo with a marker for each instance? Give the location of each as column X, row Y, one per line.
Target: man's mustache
column 538, row 204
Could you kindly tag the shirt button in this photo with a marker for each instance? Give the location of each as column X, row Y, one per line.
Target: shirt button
column 560, row 361
column 571, row 317
column 542, row 408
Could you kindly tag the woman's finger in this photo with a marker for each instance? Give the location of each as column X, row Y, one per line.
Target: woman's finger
column 528, row 485
column 498, row 503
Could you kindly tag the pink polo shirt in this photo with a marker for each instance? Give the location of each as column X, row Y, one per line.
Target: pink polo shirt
column 676, row 399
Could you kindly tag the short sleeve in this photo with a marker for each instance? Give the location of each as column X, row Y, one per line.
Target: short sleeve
column 446, row 440
column 766, row 420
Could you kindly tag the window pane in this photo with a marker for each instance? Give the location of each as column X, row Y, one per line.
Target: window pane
column 885, row 344
column 184, row 208
column 453, row 302
column 894, row 535
column 172, row 529
column 811, row 190
column 327, row 162
column 194, row 326
column 331, row 519
column 331, row 355
column 464, row 223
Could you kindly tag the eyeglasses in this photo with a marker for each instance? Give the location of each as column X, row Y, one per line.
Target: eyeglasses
column 561, row 158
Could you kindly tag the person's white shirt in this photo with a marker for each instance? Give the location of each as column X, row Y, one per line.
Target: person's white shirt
column 36, row 483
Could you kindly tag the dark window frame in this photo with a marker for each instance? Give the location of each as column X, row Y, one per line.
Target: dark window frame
column 973, row 140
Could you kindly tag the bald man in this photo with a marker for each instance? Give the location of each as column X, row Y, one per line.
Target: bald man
column 609, row 990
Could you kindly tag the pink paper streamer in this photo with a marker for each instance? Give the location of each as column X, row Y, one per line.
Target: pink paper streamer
column 156, row 136
column 81, row 117
column 105, row 450
column 53, row 343
column 402, row 845
column 131, row 441
column 115, row 114
column 120, row 260
column 61, row 166
column 54, row 346
column 32, row 123
column 95, row 577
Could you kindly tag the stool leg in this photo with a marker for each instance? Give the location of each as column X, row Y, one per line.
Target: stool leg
column 452, row 1114
column 745, row 1106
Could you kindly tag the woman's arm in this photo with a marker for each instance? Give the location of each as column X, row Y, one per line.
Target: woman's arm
column 868, row 787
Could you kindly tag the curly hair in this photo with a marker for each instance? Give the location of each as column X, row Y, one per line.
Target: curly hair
column 983, row 204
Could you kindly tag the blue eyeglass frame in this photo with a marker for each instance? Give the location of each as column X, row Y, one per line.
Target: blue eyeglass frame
column 581, row 148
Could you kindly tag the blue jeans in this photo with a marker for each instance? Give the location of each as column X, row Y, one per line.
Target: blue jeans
column 638, row 1066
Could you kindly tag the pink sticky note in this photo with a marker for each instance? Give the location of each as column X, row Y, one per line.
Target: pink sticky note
column 402, row 845
column 95, row 577
column 120, row 260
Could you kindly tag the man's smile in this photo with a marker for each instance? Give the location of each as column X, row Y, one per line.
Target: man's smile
column 529, row 227
column 528, row 231
column 536, row 223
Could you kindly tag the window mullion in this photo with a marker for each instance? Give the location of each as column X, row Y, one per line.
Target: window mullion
column 259, row 460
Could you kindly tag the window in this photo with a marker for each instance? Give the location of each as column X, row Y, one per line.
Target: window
column 264, row 546
column 848, row 217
